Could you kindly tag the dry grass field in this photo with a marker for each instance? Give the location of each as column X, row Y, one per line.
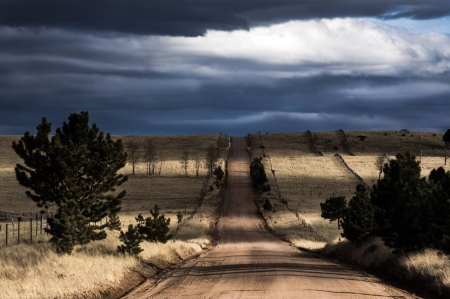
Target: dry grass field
column 305, row 178
column 35, row 271
column 170, row 189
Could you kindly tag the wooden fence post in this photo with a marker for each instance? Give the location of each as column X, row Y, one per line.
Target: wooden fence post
column 7, row 234
column 31, row 230
column 18, row 231
column 42, row 216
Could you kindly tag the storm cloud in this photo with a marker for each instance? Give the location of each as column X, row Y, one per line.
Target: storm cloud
column 183, row 67
column 195, row 17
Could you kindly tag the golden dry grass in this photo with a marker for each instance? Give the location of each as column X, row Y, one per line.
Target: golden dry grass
column 171, row 191
column 392, row 142
column 35, row 271
column 429, row 267
column 305, row 179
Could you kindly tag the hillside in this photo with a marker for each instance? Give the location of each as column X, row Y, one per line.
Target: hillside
column 303, row 170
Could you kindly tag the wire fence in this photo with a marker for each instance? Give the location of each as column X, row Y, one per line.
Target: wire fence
column 22, row 229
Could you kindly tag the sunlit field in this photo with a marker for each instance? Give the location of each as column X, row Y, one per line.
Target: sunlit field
column 303, row 171
column 304, row 178
column 97, row 270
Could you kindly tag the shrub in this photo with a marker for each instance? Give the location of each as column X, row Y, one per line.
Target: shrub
column 218, row 172
column 132, row 240
column 258, row 174
column 179, row 217
column 154, row 228
column 267, row 206
column 114, row 222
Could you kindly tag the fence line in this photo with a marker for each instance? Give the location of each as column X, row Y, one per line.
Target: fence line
column 311, row 229
column 23, row 230
column 284, row 201
column 312, row 144
column 346, row 143
column 354, row 172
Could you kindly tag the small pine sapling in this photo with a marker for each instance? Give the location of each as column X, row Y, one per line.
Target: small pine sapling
column 155, row 228
column 114, row 222
column 131, row 241
column 267, row 206
column 179, row 217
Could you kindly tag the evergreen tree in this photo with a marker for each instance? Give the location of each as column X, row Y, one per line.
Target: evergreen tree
column 79, row 164
column 132, row 240
column 114, row 222
column 358, row 219
column 70, row 228
column 154, row 228
column 402, row 205
column 439, row 235
column 267, row 206
column 258, row 174
column 218, row 172
column 333, row 209
column 437, row 175
column 446, row 139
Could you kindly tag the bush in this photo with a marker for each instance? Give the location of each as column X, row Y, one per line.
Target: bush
column 155, row 228
column 258, row 174
column 113, row 222
column 132, row 240
column 218, row 172
column 267, row 206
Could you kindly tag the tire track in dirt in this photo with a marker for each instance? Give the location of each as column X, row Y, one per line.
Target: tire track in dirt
column 249, row 262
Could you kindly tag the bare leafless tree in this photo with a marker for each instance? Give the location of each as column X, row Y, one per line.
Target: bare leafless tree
column 150, row 156
column 185, row 160
column 211, row 156
column 161, row 160
column 197, row 164
column 133, row 152
column 379, row 163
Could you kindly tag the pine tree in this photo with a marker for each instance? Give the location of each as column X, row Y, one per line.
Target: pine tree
column 439, row 236
column 218, row 172
column 358, row 219
column 258, row 174
column 114, row 222
column 402, row 205
column 69, row 228
column 267, row 206
column 333, row 209
column 154, row 228
column 79, row 164
column 437, row 175
column 132, row 240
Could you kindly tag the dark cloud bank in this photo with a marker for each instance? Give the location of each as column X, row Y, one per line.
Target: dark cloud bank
column 55, row 74
column 194, row 17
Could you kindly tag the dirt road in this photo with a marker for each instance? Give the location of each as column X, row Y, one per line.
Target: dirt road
column 249, row 262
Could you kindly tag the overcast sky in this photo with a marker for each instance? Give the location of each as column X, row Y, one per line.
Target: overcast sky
column 231, row 66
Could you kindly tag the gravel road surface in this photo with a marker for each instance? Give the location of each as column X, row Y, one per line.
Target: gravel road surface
column 249, row 262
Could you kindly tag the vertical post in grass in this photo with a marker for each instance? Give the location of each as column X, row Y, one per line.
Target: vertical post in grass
column 42, row 216
column 7, row 234
column 37, row 225
column 18, row 230
column 31, row 230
